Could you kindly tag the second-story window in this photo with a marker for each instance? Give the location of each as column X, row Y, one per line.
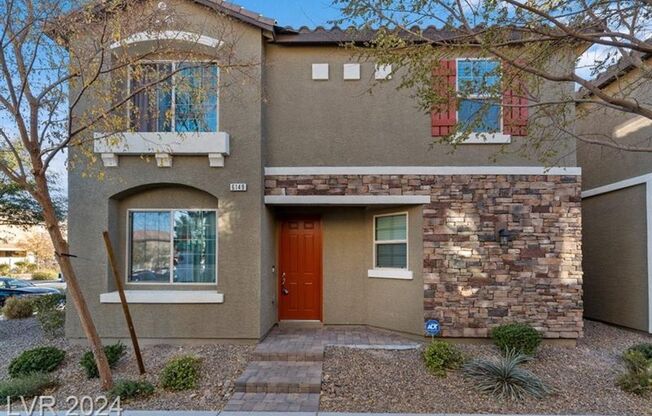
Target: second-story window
column 477, row 84
column 174, row 97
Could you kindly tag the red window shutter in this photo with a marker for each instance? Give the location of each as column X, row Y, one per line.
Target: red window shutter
column 444, row 116
column 515, row 102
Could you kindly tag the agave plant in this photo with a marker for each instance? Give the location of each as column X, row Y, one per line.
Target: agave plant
column 505, row 378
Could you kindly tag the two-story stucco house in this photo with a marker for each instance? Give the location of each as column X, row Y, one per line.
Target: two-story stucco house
column 617, row 203
column 302, row 197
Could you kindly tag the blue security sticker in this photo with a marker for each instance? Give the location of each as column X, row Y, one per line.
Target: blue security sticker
column 432, row 327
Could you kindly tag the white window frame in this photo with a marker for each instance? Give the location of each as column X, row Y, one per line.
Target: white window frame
column 391, row 272
column 173, row 106
column 481, row 137
column 171, row 267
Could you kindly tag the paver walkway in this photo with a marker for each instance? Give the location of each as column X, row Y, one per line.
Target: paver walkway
column 286, row 373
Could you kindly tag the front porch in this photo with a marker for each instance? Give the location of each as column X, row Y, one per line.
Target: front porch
column 286, row 373
column 332, row 266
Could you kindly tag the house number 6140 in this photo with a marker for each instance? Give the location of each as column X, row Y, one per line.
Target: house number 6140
column 238, row 187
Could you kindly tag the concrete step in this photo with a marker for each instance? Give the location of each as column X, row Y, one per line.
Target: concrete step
column 273, row 402
column 280, row 377
column 282, row 351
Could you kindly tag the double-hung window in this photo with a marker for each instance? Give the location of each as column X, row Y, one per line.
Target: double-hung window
column 172, row 246
column 174, row 97
column 390, row 241
column 479, row 109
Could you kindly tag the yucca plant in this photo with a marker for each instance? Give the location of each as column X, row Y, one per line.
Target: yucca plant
column 505, row 378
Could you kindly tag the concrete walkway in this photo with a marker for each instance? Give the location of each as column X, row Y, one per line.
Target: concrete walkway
column 227, row 413
column 286, row 374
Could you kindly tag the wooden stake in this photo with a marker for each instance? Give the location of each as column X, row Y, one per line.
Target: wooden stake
column 123, row 301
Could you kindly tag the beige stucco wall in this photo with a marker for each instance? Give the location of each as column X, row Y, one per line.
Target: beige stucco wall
column 275, row 116
column 364, row 123
column 95, row 202
column 615, row 251
column 602, row 165
column 350, row 297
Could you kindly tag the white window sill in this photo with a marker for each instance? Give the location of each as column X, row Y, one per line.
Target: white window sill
column 165, row 296
column 163, row 145
column 483, row 138
column 381, row 273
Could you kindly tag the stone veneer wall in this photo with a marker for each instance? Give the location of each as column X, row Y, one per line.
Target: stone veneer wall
column 471, row 283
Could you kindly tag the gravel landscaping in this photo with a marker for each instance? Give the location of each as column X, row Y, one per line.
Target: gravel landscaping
column 221, row 365
column 397, row 381
column 365, row 380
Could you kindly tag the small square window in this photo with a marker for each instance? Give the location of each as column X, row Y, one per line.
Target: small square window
column 351, row 71
column 383, row 72
column 320, row 72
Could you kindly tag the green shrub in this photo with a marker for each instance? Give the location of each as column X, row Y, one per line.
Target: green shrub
column 17, row 308
column 27, row 386
column 519, row 337
column 44, row 275
column 644, row 348
column 4, row 269
column 638, row 378
column 130, row 389
column 181, row 373
column 505, row 378
column 441, row 356
column 113, row 354
column 51, row 314
column 37, row 360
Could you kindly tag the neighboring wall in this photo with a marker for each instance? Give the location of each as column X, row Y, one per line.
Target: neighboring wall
column 602, row 165
column 471, row 282
column 615, row 246
column 617, row 208
column 364, row 122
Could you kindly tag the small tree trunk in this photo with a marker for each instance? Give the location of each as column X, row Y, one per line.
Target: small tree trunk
column 42, row 194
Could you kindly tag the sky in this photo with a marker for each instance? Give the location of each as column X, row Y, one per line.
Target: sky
column 294, row 13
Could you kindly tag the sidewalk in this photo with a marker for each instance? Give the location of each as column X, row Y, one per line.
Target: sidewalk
column 228, row 413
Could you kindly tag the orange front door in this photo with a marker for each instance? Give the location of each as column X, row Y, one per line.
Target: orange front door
column 300, row 269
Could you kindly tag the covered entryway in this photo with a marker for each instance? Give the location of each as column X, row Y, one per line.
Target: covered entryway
column 300, row 269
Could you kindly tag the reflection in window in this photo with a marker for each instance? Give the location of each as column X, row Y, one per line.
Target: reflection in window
column 171, row 96
column 390, row 241
column 477, row 82
column 173, row 246
column 194, row 246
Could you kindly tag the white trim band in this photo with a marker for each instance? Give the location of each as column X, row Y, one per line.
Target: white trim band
column 164, row 296
column 168, row 35
column 380, row 273
column 648, row 209
column 346, row 199
column 626, row 183
column 648, row 206
column 422, row 170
